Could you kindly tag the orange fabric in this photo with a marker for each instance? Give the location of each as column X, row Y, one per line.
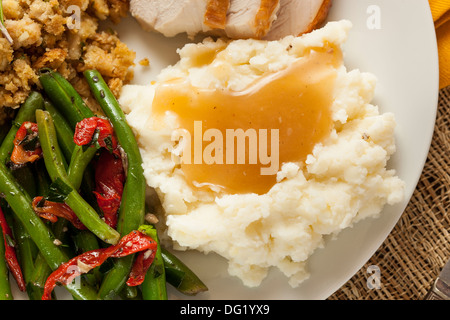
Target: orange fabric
column 440, row 9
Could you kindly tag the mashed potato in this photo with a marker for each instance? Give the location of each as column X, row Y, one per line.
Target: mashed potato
column 342, row 181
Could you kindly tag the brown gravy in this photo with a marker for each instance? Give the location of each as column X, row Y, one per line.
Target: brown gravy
column 296, row 102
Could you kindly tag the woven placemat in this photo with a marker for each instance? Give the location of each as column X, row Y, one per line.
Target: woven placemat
column 412, row 256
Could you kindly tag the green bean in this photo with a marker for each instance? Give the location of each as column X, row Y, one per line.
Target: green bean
column 25, row 113
column 60, row 227
column 114, row 280
column 134, row 189
column 85, row 241
column 64, row 96
column 180, row 276
column 132, row 210
column 53, row 158
column 20, row 203
column 26, row 250
column 77, row 171
column 54, row 164
column 35, row 287
column 79, row 163
column 25, row 177
column 60, row 231
column 41, row 270
column 5, row 286
column 69, row 109
column 154, row 285
column 130, row 293
column 63, row 129
column 89, row 217
column 78, row 158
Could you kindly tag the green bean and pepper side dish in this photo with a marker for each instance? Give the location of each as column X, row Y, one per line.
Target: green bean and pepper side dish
column 72, row 202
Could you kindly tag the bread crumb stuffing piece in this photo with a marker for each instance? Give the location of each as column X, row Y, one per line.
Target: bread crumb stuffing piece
column 64, row 36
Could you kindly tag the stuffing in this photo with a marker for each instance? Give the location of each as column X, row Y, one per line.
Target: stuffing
column 65, row 36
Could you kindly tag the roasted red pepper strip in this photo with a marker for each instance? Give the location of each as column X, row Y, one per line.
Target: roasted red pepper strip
column 136, row 241
column 86, row 129
column 52, row 210
column 140, row 266
column 10, row 253
column 109, row 180
column 25, row 136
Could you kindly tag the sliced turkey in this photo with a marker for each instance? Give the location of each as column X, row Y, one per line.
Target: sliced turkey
column 297, row 17
column 170, row 17
column 236, row 19
column 250, row 18
column 231, row 18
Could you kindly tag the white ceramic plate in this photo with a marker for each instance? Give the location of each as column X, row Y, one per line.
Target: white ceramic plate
column 401, row 51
